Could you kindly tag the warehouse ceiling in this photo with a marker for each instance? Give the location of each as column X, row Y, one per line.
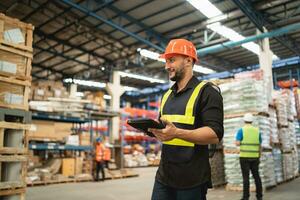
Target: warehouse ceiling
column 88, row 39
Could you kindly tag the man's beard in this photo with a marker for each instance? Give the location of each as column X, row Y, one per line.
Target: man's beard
column 178, row 75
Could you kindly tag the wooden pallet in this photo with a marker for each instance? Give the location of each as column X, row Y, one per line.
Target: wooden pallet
column 8, row 23
column 219, row 185
column 16, row 194
column 11, row 86
column 238, row 188
column 13, row 171
column 22, row 64
column 231, row 151
column 18, row 144
column 51, row 182
column 15, row 115
column 229, row 116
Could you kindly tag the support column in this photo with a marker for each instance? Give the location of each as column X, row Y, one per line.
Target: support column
column 115, row 90
column 265, row 61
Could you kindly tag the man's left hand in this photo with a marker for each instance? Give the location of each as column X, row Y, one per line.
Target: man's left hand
column 166, row 134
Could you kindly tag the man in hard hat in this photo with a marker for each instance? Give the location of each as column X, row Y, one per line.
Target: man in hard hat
column 192, row 111
column 99, row 157
column 249, row 140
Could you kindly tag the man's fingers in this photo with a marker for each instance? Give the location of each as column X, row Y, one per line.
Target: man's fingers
column 166, row 121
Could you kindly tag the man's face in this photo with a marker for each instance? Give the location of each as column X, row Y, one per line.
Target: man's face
column 175, row 65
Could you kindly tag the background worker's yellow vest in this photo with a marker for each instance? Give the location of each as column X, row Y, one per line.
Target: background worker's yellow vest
column 250, row 144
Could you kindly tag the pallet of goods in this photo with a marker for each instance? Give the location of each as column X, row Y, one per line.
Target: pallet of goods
column 15, row 81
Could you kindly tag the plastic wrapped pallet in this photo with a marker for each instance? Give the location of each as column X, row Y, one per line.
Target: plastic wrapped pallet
column 217, row 169
column 273, row 125
column 298, row 160
column 281, row 107
column 297, row 131
column 295, row 162
column 278, row 164
column 288, row 169
column 231, row 126
column 267, row 170
column 244, row 96
column 285, row 139
column 233, row 172
column 265, row 129
column 291, row 129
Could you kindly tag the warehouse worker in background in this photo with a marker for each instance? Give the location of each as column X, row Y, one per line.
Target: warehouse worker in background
column 192, row 111
column 249, row 140
column 99, row 155
column 107, row 155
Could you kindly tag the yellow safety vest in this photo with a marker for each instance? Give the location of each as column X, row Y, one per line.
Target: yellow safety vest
column 188, row 118
column 250, row 144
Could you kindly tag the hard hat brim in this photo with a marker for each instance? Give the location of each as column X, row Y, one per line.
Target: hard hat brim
column 168, row 55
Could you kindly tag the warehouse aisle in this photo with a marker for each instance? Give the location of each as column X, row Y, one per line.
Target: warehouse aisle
column 139, row 189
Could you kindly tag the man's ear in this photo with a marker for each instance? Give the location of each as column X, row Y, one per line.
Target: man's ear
column 189, row 60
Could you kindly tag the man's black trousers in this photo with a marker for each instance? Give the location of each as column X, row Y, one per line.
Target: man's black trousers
column 247, row 165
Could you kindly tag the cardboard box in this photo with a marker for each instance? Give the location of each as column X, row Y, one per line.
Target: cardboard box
column 68, row 167
column 50, row 130
column 79, row 164
column 84, row 139
column 72, row 140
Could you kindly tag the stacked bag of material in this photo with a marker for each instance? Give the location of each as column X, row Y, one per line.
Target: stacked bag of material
column 295, row 162
column 265, row 129
column 293, row 139
column 278, row 164
column 288, row 166
column 217, row 168
column 285, row 139
column 233, row 173
column 273, row 124
column 231, row 126
column 281, row 107
column 297, row 131
column 267, row 170
column 298, row 160
column 244, row 96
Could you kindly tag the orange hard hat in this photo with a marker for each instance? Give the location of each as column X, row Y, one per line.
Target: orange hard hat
column 182, row 47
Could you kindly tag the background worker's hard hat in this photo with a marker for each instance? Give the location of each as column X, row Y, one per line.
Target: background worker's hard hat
column 248, row 117
column 182, row 47
column 98, row 139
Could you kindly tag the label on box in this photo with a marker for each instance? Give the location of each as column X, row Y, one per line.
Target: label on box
column 8, row 67
column 10, row 98
column 16, row 99
column 14, row 36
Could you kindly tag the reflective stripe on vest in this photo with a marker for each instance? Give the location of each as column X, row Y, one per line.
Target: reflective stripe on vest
column 250, row 144
column 188, row 118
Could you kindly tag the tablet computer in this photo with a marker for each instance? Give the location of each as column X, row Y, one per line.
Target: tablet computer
column 143, row 124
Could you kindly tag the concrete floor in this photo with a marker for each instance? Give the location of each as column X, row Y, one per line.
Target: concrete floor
column 140, row 188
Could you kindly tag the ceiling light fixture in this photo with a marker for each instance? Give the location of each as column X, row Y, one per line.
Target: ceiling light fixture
column 212, row 12
column 141, row 77
column 205, row 7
